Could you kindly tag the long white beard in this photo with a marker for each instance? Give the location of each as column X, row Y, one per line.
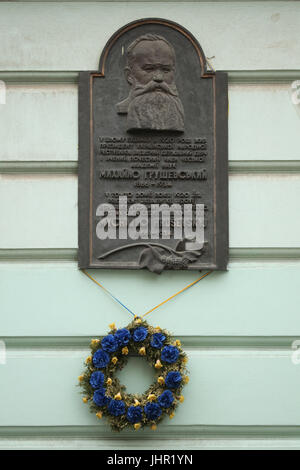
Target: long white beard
column 155, row 110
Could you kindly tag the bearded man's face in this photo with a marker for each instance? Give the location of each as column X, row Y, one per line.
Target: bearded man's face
column 154, row 98
column 152, row 61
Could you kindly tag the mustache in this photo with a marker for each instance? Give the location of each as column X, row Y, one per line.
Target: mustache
column 154, row 86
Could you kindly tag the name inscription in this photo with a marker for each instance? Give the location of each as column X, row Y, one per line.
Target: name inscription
column 151, row 162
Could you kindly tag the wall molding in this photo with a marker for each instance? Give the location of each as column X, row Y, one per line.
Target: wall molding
column 145, row 1
column 264, row 254
column 39, row 167
column 264, row 166
column 38, row 254
column 38, row 77
column 70, row 167
column 65, row 343
column 164, row 432
column 262, row 76
column 175, row 443
column 70, row 254
column 71, row 77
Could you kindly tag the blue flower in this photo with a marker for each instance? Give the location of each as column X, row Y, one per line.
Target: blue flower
column 107, row 400
column 122, row 336
column 109, row 343
column 166, row 399
column 140, row 334
column 99, row 397
column 97, row 379
column 134, row 414
column 173, row 379
column 157, row 340
column 170, row 354
column 116, row 407
column 100, row 359
column 152, row 410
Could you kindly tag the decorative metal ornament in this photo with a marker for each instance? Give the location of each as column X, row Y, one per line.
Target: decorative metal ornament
column 107, row 397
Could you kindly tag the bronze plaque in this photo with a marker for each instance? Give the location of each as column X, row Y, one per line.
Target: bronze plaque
column 153, row 154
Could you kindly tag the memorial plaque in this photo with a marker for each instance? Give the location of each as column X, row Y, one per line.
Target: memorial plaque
column 153, row 154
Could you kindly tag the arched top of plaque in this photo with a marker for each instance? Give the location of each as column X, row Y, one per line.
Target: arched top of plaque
column 175, row 34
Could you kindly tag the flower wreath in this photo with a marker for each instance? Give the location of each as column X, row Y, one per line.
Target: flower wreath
column 104, row 392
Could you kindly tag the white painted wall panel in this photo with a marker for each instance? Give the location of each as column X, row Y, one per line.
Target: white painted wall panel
column 70, row 36
column 40, row 211
column 264, row 123
column 262, row 210
column 56, row 299
column 39, row 122
column 227, row 387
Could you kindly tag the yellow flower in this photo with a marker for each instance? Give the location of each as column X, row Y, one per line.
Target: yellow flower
column 118, row 396
column 142, row 351
column 186, row 379
column 137, row 426
column 161, row 380
column 181, row 398
column 114, row 360
column 171, row 415
column 109, row 381
column 138, row 321
column 153, row 427
column 88, row 359
column 136, row 402
column 185, row 359
column 95, row 341
column 158, row 328
column 99, row 414
column 125, row 351
column 80, row 378
column 158, row 364
column 151, row 397
column 177, row 342
column 85, row 399
column 112, row 326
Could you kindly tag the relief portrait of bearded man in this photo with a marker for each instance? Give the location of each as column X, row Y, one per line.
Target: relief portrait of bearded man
column 153, row 102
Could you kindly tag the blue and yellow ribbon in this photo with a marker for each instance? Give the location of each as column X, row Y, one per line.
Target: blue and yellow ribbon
column 154, row 308
column 108, row 292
